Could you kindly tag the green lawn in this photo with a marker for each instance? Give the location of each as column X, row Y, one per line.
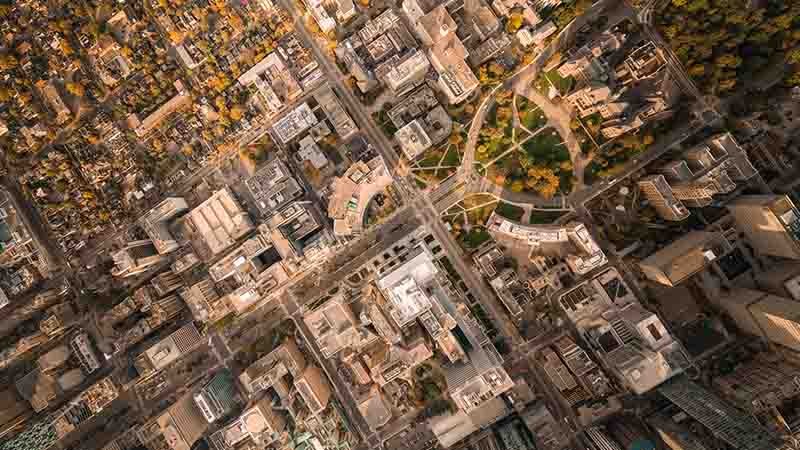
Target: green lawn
column 546, row 146
column 544, row 217
column 564, row 85
column 431, row 159
column 475, row 237
column 510, row 211
column 452, row 157
column 532, row 118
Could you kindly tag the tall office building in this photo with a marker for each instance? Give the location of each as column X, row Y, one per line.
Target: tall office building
column 725, row 422
column 761, row 314
column 659, row 193
column 135, row 258
column 314, row 388
column 675, row 435
column 600, row 440
column 761, row 384
column 770, row 222
column 714, row 168
column 218, row 397
column 685, row 257
column 257, row 425
column 166, row 282
column 155, row 223
column 170, row 349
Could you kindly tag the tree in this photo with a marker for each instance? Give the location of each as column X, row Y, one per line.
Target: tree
column 8, row 62
column 75, row 89
column 793, row 57
column 514, row 22
column 236, row 113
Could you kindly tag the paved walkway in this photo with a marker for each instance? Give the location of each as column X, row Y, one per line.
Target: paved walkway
column 559, row 118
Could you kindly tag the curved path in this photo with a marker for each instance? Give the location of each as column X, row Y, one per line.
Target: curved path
column 557, row 116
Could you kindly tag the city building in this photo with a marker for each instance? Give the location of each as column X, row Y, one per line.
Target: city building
column 141, row 300
column 475, row 382
column 16, row 240
column 86, row 405
column 714, row 168
column 15, row 413
column 166, row 282
column 206, row 302
column 584, row 254
column 218, row 397
column 295, row 122
column 310, row 151
column 274, row 82
column 761, row 384
column 374, row 409
column 286, row 359
column 643, row 62
column 685, row 257
column 156, row 223
column 588, row 63
column 545, row 427
column 58, row 318
column 660, row 196
column 725, row 422
column 413, row 139
column 770, row 222
column 782, row 280
column 314, row 388
column 636, row 347
column 761, row 314
column 168, row 350
column 184, row 262
column 217, row 223
column 160, row 312
column 40, row 435
column 335, row 113
column 562, row 378
column 273, row 187
column 110, row 63
column 135, row 258
column 536, row 36
column 253, row 271
column 676, row 436
column 447, row 54
column 83, row 350
column 297, row 232
column 599, row 437
column 353, row 192
column 594, row 98
column 38, row 387
column 334, row 327
column 177, row 428
column 406, row 72
column 259, row 425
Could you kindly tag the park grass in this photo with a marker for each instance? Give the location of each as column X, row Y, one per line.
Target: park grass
column 431, row 159
column 510, row 211
column 452, row 158
column 539, row 217
column 546, row 146
column 479, row 216
column 564, row 85
column 474, row 238
column 532, row 118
